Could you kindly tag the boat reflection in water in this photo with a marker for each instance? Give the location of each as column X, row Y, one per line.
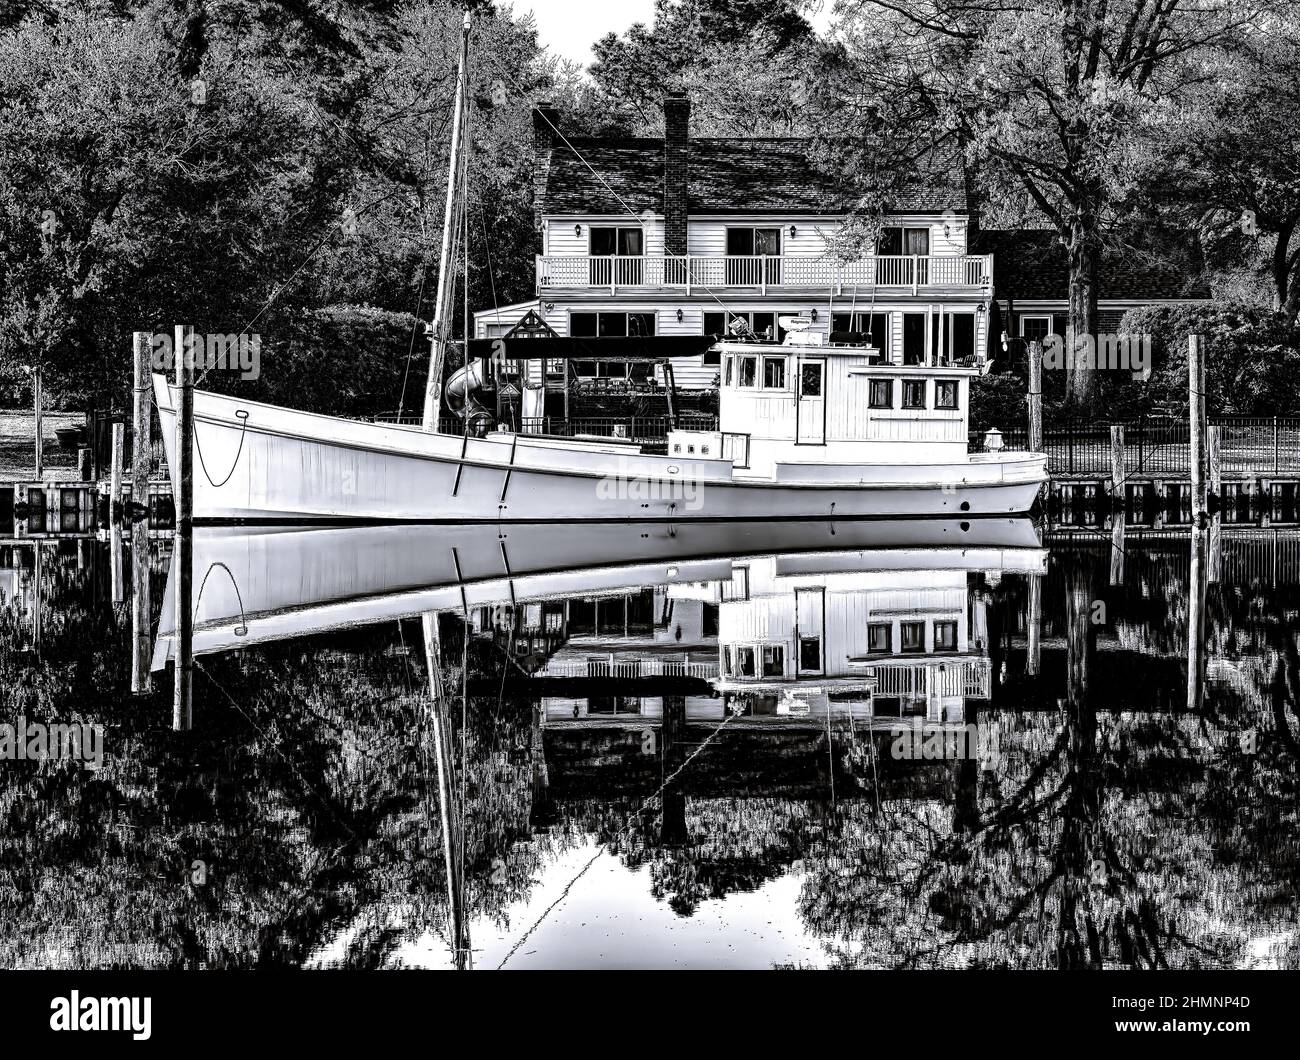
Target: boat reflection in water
column 788, row 651
column 257, row 585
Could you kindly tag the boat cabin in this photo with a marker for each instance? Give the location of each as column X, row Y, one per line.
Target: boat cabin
column 810, row 401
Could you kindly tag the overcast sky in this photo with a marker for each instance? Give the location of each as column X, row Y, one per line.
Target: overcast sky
column 570, row 27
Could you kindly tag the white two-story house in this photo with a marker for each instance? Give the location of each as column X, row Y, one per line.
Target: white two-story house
column 690, row 236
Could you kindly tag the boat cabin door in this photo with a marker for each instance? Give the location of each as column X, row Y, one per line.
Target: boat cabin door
column 810, row 410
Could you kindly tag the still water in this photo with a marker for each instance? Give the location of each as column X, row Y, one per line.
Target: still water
column 870, row 744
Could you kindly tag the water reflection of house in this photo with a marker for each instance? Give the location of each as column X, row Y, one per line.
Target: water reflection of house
column 654, row 632
column 794, row 637
column 797, row 640
column 17, row 589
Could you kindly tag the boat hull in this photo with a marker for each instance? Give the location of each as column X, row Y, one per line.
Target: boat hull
column 257, row 462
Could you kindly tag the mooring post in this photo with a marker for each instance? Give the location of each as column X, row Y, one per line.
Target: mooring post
column 1034, row 625
column 38, row 407
column 1196, row 620
column 141, row 641
column 117, row 575
column 182, row 707
column 142, row 421
column 1117, row 474
column 1117, row 547
column 1035, row 397
column 1196, row 416
column 115, row 472
column 1214, row 463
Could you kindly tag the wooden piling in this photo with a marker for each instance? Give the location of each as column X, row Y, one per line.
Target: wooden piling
column 182, row 702
column 1196, row 620
column 118, row 456
column 141, row 640
column 1034, row 625
column 1117, row 548
column 38, row 407
column 1035, row 397
column 1214, row 465
column 142, row 420
column 1196, row 416
column 1117, row 474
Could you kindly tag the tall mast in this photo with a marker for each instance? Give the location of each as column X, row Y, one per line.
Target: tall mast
column 442, row 308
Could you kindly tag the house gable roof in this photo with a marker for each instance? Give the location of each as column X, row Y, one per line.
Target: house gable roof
column 727, row 175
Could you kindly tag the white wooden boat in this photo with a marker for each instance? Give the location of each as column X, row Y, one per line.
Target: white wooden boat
column 806, row 430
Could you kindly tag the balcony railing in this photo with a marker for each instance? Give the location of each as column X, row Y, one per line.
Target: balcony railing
column 759, row 272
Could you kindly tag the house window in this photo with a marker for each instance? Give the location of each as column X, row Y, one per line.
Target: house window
column 748, row 371
column 773, row 660
column 1035, row 328
column 873, row 325
column 904, row 241
column 773, row 373
column 610, row 325
column 952, row 338
column 881, row 394
column 945, row 393
column 746, row 249
column 726, row 661
column 763, row 325
column 878, row 638
column 616, row 255
column 745, row 662
column 810, row 653
column 945, row 636
column 914, row 338
column 913, row 393
column 913, row 636
column 726, row 379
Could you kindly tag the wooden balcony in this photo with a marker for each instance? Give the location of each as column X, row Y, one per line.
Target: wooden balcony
column 903, row 274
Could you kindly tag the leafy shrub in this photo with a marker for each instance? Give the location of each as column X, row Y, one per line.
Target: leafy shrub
column 1252, row 360
column 345, row 361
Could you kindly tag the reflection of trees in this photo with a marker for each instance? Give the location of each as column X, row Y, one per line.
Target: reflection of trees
column 1098, row 838
column 1111, row 839
column 304, row 789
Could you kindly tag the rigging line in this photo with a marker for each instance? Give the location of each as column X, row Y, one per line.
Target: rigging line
column 329, row 232
column 596, row 856
column 275, row 747
column 415, row 327
column 637, row 217
column 579, row 156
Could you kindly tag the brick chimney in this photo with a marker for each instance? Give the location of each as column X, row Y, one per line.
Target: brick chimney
column 546, row 120
column 677, row 165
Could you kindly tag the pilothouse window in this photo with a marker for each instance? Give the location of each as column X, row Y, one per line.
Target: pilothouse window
column 774, row 373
